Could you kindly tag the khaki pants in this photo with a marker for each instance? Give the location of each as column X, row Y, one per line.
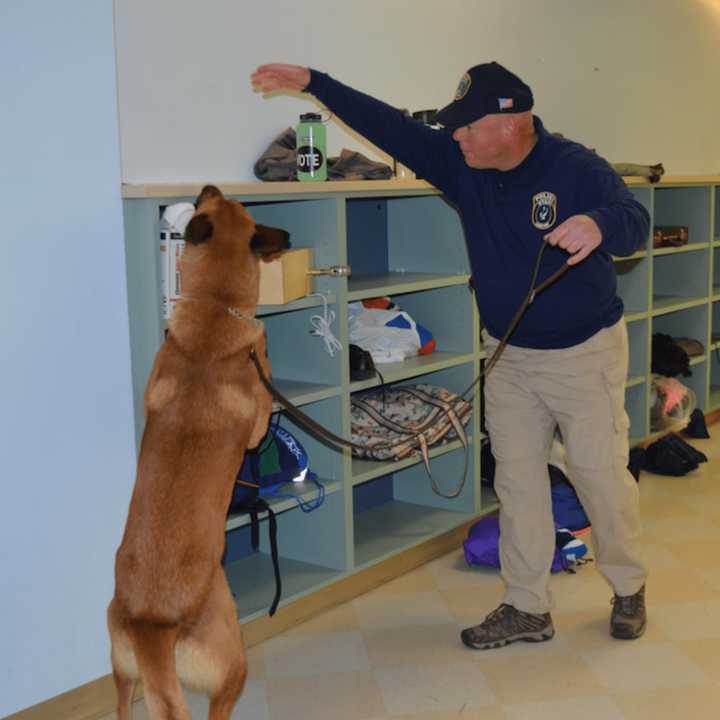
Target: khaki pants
column 581, row 389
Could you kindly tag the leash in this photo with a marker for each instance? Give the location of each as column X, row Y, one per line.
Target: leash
column 320, row 430
column 323, row 432
column 534, row 291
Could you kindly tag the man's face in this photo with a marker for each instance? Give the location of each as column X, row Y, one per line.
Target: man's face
column 482, row 142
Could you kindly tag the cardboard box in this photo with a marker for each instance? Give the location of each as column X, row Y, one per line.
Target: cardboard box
column 286, row 279
column 281, row 281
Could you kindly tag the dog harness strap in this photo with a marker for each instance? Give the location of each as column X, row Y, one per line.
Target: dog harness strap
column 276, row 564
column 254, row 525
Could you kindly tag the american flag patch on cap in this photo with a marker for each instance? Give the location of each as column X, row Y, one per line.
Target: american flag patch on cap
column 505, row 103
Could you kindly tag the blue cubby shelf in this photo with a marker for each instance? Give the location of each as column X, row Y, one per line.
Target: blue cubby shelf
column 404, row 241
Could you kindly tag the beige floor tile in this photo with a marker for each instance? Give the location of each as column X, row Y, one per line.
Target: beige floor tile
column 429, row 644
column 640, row 665
column 376, row 610
column 668, row 532
column 256, row 662
column 586, row 589
column 470, row 606
column 706, row 655
column 347, row 696
column 700, row 703
column 342, row 618
column 418, row 644
column 452, row 572
column 711, row 575
column 689, row 621
column 486, row 712
column 587, row 708
column 590, row 630
column 699, row 552
column 677, row 585
column 423, row 688
column 664, row 507
column 538, row 677
column 300, row 655
column 252, row 704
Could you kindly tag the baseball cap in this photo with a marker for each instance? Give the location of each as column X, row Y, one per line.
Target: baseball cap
column 486, row 89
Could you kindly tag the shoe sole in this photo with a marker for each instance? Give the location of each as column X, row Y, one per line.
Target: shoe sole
column 538, row 637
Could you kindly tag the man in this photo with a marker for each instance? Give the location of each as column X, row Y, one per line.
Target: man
column 517, row 187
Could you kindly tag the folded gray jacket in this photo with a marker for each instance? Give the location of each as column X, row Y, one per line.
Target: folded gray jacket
column 279, row 162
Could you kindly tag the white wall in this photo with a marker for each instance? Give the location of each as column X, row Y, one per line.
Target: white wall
column 66, row 428
column 635, row 79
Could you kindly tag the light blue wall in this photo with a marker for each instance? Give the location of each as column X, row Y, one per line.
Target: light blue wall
column 66, row 427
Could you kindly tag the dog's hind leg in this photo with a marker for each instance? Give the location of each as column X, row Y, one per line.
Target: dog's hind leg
column 211, row 658
column 125, row 687
column 154, row 647
column 125, row 672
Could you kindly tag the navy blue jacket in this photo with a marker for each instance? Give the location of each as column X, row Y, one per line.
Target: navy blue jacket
column 503, row 230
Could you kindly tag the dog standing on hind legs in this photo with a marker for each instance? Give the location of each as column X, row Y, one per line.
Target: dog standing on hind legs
column 172, row 618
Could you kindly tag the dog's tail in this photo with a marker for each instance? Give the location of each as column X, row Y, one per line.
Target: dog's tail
column 154, row 647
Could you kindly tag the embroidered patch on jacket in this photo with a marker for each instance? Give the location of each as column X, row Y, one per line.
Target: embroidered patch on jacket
column 544, row 210
column 463, row 86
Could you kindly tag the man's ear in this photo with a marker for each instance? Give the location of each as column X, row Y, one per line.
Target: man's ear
column 199, row 229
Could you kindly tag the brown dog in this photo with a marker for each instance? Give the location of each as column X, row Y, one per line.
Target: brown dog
column 172, row 618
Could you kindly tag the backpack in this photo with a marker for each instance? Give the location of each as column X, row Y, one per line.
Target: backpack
column 392, row 423
column 278, row 460
column 386, row 421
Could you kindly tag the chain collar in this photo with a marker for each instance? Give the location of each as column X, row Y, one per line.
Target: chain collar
column 235, row 312
column 241, row 316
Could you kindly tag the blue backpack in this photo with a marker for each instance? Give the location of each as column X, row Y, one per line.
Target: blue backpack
column 278, row 461
column 266, row 471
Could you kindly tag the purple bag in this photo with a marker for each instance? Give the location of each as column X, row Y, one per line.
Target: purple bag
column 482, row 546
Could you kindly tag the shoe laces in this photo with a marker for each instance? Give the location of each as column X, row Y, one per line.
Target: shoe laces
column 628, row 605
column 498, row 614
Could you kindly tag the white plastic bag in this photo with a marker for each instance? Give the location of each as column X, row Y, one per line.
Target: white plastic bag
column 368, row 329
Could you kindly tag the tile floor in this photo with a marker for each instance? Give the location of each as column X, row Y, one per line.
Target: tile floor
column 395, row 652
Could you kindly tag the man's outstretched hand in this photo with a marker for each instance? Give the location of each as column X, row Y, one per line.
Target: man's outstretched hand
column 276, row 76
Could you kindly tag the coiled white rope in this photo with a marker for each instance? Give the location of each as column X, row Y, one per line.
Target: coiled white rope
column 321, row 326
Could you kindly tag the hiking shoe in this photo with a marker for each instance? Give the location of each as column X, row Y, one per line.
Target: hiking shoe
column 506, row 625
column 629, row 618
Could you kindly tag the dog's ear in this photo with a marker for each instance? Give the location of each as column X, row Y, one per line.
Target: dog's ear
column 199, row 229
column 269, row 242
column 209, row 191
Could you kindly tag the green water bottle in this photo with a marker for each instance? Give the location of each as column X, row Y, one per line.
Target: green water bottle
column 311, row 158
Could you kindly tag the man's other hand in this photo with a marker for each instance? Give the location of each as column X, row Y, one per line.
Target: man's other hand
column 276, row 76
